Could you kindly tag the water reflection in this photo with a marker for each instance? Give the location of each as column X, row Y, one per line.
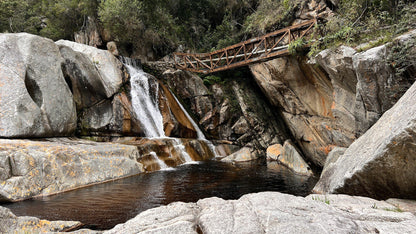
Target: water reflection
column 105, row 205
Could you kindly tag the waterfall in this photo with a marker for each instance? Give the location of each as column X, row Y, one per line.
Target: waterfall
column 199, row 133
column 145, row 105
column 160, row 162
column 185, row 156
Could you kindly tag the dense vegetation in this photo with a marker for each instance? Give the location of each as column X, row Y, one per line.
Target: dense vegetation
column 203, row 25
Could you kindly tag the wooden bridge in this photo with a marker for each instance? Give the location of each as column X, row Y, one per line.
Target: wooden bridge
column 257, row 49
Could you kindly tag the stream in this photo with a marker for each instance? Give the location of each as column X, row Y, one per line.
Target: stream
column 103, row 206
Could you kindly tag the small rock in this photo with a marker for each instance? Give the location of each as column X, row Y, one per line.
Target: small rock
column 112, row 47
column 290, row 157
column 243, row 155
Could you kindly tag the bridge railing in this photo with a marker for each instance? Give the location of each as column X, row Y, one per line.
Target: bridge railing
column 257, row 49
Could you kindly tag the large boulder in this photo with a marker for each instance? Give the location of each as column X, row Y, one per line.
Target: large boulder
column 382, row 162
column 33, row 168
column 109, row 67
column 84, row 79
column 35, row 100
column 10, row 223
column 272, row 212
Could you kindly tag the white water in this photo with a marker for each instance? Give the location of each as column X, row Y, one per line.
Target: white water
column 185, row 156
column 160, row 162
column 145, row 105
column 199, row 133
column 146, row 108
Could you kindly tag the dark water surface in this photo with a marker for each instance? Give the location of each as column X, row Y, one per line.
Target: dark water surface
column 105, row 205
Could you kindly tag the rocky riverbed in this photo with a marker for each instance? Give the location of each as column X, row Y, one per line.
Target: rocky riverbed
column 266, row 212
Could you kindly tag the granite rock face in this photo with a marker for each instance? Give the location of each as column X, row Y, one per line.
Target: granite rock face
column 83, row 77
column 108, row 66
column 335, row 98
column 272, row 212
column 38, row 168
column 381, row 163
column 233, row 111
column 304, row 94
column 35, row 100
column 110, row 117
column 10, row 223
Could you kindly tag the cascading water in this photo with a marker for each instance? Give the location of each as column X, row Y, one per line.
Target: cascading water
column 144, row 98
column 199, row 133
column 160, row 162
column 145, row 105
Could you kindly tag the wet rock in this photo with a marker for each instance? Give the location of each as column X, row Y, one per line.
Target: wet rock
column 83, row 78
column 289, row 156
column 51, row 166
column 243, row 155
column 35, row 100
column 108, row 66
column 380, row 163
column 272, row 212
column 10, row 223
column 159, row 153
column 274, row 151
column 175, row 117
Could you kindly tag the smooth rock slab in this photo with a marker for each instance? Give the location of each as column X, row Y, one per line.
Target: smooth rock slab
column 33, row 168
column 273, row 212
column 35, row 100
column 10, row 223
column 382, row 162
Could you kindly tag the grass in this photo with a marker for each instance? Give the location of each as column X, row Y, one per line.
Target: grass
column 324, row 200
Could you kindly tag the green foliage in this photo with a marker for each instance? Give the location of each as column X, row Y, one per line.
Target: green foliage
column 361, row 21
column 401, row 59
column 19, row 16
column 296, row 46
column 325, row 200
column 271, row 15
column 210, row 80
column 55, row 19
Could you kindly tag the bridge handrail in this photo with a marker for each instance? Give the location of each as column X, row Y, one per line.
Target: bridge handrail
column 232, row 52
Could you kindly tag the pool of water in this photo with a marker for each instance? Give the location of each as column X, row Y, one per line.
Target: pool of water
column 105, row 205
